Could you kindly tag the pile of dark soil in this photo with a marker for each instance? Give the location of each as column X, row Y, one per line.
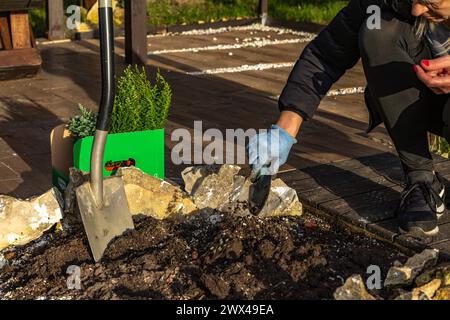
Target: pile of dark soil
column 205, row 256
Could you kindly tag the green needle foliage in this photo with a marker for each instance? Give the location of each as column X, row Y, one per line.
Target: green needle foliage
column 139, row 106
column 83, row 125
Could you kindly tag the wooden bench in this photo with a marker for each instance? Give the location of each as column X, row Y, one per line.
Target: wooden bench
column 19, row 56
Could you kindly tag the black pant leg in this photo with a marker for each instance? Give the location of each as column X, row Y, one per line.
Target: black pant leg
column 405, row 104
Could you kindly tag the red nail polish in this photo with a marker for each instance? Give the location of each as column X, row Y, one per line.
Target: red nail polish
column 415, row 68
column 426, row 63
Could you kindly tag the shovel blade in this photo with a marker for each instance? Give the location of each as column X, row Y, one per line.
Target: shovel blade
column 104, row 224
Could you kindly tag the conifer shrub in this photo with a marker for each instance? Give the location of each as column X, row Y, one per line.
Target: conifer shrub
column 139, row 106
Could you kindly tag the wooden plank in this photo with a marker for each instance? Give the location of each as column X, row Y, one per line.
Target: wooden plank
column 371, row 199
column 20, row 30
column 136, row 32
column 55, row 20
column 385, row 164
column 264, row 7
column 386, row 229
column 344, row 191
column 264, row 10
column 14, row 5
column 5, row 33
column 19, row 63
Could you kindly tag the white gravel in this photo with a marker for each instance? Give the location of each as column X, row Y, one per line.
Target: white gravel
column 346, row 91
column 338, row 92
column 252, row 27
column 243, row 68
column 259, row 43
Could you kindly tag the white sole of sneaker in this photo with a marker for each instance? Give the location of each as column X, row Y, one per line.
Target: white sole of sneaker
column 441, row 209
column 417, row 230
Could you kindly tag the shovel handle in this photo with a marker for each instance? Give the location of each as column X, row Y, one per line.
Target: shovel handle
column 106, row 28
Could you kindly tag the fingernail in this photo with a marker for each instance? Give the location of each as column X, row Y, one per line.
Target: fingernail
column 426, row 63
column 415, row 68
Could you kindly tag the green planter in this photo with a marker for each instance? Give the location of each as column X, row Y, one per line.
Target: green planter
column 144, row 150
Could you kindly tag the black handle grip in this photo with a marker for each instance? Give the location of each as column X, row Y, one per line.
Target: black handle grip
column 108, row 68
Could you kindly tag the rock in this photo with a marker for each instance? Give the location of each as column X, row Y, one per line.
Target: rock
column 403, row 295
column 425, row 277
column 22, row 221
column 353, row 289
column 428, row 289
column 405, row 275
column 443, row 294
column 426, row 259
column 408, row 295
column 441, row 272
column 71, row 213
column 215, row 285
column 282, row 201
column 398, row 276
column 3, row 262
column 154, row 197
column 222, row 188
column 447, row 278
column 210, row 186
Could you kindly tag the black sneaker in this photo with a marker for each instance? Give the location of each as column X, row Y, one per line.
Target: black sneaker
column 420, row 203
column 439, row 187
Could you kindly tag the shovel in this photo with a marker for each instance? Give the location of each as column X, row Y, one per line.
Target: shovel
column 102, row 202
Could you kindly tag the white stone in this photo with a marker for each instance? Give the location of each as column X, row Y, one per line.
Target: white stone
column 22, row 221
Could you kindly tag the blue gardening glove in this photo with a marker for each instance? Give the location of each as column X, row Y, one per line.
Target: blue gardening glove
column 268, row 151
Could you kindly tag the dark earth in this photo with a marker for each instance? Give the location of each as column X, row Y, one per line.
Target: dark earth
column 205, row 256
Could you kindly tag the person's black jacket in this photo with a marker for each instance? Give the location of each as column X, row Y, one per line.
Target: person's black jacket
column 329, row 55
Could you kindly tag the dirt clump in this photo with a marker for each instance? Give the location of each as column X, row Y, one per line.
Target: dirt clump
column 204, row 256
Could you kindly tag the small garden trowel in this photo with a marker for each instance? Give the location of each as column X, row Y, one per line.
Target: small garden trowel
column 102, row 202
column 259, row 192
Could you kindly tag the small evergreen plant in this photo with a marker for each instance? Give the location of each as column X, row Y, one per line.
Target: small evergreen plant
column 138, row 106
column 83, row 125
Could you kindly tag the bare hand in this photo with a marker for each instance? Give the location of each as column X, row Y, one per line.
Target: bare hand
column 435, row 74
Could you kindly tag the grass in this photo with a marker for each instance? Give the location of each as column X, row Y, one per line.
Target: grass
column 173, row 12
column 165, row 12
column 318, row 11
column 38, row 22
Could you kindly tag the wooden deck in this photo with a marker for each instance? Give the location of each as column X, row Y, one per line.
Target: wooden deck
column 336, row 168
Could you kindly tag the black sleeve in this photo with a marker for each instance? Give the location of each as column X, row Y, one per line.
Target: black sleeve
column 325, row 60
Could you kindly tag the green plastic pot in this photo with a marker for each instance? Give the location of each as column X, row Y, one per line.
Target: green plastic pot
column 142, row 149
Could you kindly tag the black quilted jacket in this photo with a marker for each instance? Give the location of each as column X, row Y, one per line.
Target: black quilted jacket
column 328, row 56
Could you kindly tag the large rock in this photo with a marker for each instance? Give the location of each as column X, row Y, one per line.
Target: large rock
column 443, row 294
column 146, row 195
column 154, row 197
column 22, row 221
column 353, row 289
column 210, row 186
column 428, row 290
column 405, row 275
column 424, row 292
column 222, row 188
